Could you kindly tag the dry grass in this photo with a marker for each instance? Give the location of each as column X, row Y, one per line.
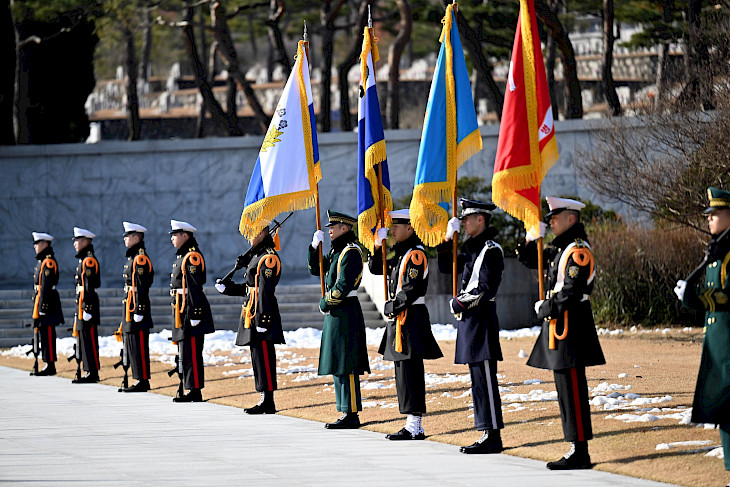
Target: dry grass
column 668, row 366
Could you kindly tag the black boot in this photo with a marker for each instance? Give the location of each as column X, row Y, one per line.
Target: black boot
column 141, row 386
column 348, row 421
column 404, row 434
column 49, row 370
column 576, row 458
column 265, row 405
column 193, row 396
column 490, row 442
column 89, row 378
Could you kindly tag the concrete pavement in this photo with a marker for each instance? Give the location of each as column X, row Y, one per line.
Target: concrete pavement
column 56, row 433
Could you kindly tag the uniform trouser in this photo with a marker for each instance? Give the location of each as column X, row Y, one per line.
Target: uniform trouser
column 575, row 411
column 137, row 345
column 411, row 386
column 725, row 437
column 48, row 343
column 263, row 359
column 347, row 393
column 485, row 395
column 89, row 341
column 191, row 351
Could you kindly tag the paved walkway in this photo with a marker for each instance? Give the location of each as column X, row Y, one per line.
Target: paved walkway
column 55, row 433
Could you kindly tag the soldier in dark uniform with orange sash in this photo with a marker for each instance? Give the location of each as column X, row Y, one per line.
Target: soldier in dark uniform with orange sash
column 138, row 277
column 408, row 339
column 568, row 342
column 260, row 325
column 47, row 312
column 86, row 323
column 192, row 318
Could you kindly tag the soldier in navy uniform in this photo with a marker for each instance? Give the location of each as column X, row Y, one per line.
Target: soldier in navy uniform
column 408, row 339
column 47, row 313
column 480, row 263
column 138, row 276
column 568, row 342
column 711, row 403
column 86, row 324
column 343, row 352
column 260, row 325
column 192, row 318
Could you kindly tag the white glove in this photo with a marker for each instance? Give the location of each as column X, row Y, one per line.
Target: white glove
column 380, row 235
column 531, row 236
column 452, row 227
column 138, row 318
column 680, row 288
column 194, row 322
column 220, row 287
column 325, row 313
column 86, row 316
column 451, row 306
column 317, row 238
column 41, row 313
column 261, row 330
column 537, row 306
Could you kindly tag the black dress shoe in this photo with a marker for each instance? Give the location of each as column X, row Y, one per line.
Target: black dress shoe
column 87, row 379
column 490, row 442
column 577, row 458
column 266, row 407
column 348, row 421
column 141, row 386
column 49, row 370
column 404, row 434
column 193, row 396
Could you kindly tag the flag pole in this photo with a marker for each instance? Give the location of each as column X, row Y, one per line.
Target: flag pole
column 305, row 37
column 540, row 263
column 455, row 246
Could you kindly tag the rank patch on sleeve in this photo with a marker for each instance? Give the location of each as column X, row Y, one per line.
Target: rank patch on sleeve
column 192, row 269
column 268, row 272
column 573, row 271
column 413, row 273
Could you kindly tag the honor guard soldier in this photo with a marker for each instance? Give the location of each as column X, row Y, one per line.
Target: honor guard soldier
column 192, row 318
column 86, row 322
column 260, row 325
column 480, row 263
column 568, row 342
column 711, row 402
column 47, row 312
column 138, row 276
column 408, row 339
column 343, row 352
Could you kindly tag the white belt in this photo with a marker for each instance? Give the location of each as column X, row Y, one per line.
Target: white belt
column 79, row 289
column 178, row 291
column 35, row 287
column 420, row 300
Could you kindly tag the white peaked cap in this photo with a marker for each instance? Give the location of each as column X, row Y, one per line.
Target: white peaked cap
column 42, row 236
column 181, row 226
column 563, row 204
column 133, row 227
column 404, row 214
column 82, row 232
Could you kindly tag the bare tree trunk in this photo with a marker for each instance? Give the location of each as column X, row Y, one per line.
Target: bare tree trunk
column 252, row 37
column 200, row 123
column 279, row 54
column 609, row 86
column 392, row 103
column 346, row 65
column 21, row 130
column 133, row 121
column 551, row 49
column 573, row 101
column 144, row 63
column 327, row 16
column 698, row 90
column 231, row 105
column 228, row 52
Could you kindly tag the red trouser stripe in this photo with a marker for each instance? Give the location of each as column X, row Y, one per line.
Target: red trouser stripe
column 577, row 406
column 51, row 352
column 195, row 362
column 143, row 354
column 266, row 364
column 95, row 346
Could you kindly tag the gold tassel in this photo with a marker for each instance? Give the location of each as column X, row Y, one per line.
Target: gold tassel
column 178, row 318
column 277, row 242
column 118, row 333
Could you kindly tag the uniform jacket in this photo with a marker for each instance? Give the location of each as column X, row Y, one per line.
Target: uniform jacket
column 138, row 276
column 46, row 302
column 186, row 288
column 343, row 350
column 712, row 395
column 88, row 280
column 480, row 264
column 262, row 275
column 407, row 282
column 568, row 258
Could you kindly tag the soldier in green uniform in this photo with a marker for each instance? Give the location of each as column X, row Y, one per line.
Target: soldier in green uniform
column 47, row 312
column 86, row 324
column 712, row 395
column 343, row 352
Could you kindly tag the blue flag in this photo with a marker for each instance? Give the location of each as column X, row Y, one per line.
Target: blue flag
column 450, row 136
column 371, row 151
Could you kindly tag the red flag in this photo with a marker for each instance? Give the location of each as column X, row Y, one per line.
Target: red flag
column 527, row 147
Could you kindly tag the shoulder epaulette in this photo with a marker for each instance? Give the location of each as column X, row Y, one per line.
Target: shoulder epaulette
column 579, row 242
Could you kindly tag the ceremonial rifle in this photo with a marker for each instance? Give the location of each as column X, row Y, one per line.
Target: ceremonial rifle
column 251, row 252
column 124, row 362
column 706, row 260
column 178, row 369
column 77, row 350
column 36, row 349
